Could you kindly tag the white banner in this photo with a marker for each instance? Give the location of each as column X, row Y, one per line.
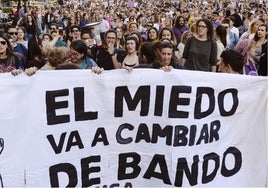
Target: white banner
column 145, row 128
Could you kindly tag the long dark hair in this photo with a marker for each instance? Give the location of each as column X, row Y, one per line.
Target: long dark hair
column 256, row 37
column 177, row 21
column 221, row 32
column 152, row 28
column 11, row 55
column 209, row 25
column 34, row 49
column 173, row 37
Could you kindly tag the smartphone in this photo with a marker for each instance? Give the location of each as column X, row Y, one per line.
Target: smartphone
column 61, row 30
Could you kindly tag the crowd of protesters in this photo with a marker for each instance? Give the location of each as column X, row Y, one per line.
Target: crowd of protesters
column 219, row 36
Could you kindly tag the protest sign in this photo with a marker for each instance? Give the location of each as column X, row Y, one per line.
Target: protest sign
column 145, row 128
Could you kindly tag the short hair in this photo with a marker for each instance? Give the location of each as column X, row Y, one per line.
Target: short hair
column 10, row 27
column 79, row 46
column 53, row 24
column 110, row 31
column 232, row 18
column 87, row 30
column 135, row 40
column 226, row 21
column 234, row 59
column 75, row 27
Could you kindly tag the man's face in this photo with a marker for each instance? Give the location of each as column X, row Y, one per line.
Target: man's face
column 181, row 21
column 53, row 28
column 214, row 17
column 66, row 14
column 56, row 17
column 110, row 38
column 14, row 33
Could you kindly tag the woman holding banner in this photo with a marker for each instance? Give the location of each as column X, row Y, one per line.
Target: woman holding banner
column 165, row 56
column 9, row 60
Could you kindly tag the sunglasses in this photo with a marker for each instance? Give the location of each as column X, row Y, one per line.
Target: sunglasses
column 3, row 42
column 76, row 30
column 12, row 33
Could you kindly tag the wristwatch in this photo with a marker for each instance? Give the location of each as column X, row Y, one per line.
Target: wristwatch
column 112, row 54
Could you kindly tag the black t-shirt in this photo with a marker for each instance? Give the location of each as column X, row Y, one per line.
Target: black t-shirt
column 103, row 58
column 18, row 64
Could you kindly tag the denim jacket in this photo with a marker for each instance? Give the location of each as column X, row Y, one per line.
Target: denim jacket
column 88, row 63
column 233, row 40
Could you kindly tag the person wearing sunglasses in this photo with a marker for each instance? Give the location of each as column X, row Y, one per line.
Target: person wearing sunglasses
column 53, row 27
column 17, row 47
column 9, row 60
column 57, row 20
column 75, row 35
column 57, row 38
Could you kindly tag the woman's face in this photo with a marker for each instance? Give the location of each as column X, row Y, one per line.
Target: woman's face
column 168, row 22
column 254, row 27
column 166, row 34
column 202, row 28
column 133, row 27
column 119, row 33
column 262, row 31
column 131, row 46
column 72, row 20
column 75, row 57
column 3, row 46
column 20, row 34
column 46, row 38
column 166, row 55
column 29, row 18
column 152, row 34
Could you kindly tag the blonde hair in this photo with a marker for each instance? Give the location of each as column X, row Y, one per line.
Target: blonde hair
column 185, row 36
column 252, row 23
column 57, row 55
